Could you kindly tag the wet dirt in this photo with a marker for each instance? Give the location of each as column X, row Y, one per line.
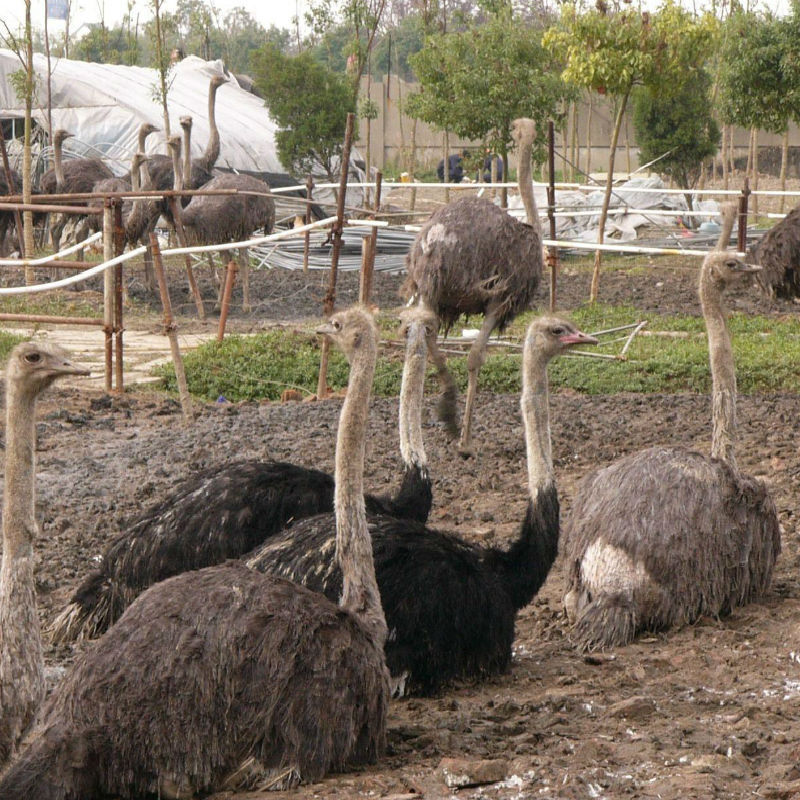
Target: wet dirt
column 711, row 710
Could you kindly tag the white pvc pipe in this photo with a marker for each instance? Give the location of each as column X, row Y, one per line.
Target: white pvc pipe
column 44, row 260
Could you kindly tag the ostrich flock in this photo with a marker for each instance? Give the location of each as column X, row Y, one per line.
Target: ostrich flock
column 252, row 627
column 202, row 219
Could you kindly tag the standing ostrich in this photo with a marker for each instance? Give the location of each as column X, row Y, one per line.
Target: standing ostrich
column 131, row 182
column 213, row 219
column 472, row 257
column 224, row 678
column 663, row 536
column 235, row 507
column 31, row 368
column 75, row 176
column 7, row 220
column 211, row 153
column 777, row 252
column 450, row 606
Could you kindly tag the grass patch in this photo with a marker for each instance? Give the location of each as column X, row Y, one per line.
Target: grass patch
column 767, row 351
column 8, row 341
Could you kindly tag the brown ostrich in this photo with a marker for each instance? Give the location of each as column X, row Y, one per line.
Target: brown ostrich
column 75, row 176
column 222, row 678
column 214, row 219
column 31, row 368
column 7, row 220
column 777, row 252
column 131, row 182
column 471, row 257
column 666, row 535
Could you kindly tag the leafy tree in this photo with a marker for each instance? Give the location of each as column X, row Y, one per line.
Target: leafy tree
column 677, row 128
column 309, row 103
column 477, row 81
column 613, row 50
column 399, row 43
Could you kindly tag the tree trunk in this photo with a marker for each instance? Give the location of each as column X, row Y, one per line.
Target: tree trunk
column 27, row 216
column 725, row 156
column 755, row 171
column 589, row 137
column 446, row 146
column 607, row 197
column 574, row 150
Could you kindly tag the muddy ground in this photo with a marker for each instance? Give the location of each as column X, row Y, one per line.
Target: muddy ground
column 711, row 710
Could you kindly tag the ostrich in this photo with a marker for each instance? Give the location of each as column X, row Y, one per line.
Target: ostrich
column 450, row 606
column 123, row 184
column 31, row 368
column 7, row 220
column 777, row 253
column 666, row 535
column 235, row 507
column 211, row 153
column 223, row 678
column 471, row 257
column 213, row 219
column 75, row 176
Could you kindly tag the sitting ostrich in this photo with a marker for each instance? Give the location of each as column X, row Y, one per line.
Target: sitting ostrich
column 230, row 510
column 31, row 368
column 666, row 535
column 75, row 176
column 222, row 677
column 777, row 252
column 472, row 257
column 450, row 606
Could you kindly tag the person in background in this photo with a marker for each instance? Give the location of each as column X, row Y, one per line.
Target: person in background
column 487, row 167
column 455, row 165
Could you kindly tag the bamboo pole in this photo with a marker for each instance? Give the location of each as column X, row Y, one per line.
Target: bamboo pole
column 330, row 296
column 225, row 303
column 368, row 265
column 171, row 332
column 108, row 293
column 119, row 246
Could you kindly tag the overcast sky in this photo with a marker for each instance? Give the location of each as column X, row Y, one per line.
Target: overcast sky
column 267, row 12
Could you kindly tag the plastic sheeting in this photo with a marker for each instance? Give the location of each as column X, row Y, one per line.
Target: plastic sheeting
column 103, row 105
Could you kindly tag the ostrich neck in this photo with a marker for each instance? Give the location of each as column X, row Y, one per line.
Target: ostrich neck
column 58, row 166
column 177, row 170
column 19, row 522
column 723, row 374
column 136, row 182
column 21, row 655
column 412, row 448
column 187, row 154
column 360, row 595
column 526, row 183
column 536, row 418
column 142, row 140
column 212, row 148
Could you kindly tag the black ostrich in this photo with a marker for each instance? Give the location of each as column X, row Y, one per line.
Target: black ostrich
column 229, row 511
column 450, row 606
column 223, row 678
column 471, row 257
column 667, row 534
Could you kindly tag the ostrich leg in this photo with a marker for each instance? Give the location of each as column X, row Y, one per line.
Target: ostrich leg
column 244, row 264
column 475, row 360
column 447, row 402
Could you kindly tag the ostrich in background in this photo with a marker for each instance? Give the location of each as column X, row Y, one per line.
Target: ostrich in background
column 31, row 368
column 224, row 678
column 230, row 510
column 450, row 606
column 472, row 257
column 7, row 221
column 777, row 252
column 214, row 219
column 75, row 176
column 663, row 536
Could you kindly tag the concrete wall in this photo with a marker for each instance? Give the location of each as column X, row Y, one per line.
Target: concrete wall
column 390, row 136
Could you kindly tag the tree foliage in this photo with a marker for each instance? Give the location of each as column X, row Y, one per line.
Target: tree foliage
column 677, row 128
column 309, row 103
column 477, row 81
column 759, row 78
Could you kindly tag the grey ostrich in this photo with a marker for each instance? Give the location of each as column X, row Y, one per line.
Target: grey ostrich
column 131, row 182
column 31, row 368
column 214, row 219
column 666, row 535
column 75, row 176
column 471, row 257
column 223, row 677
column 211, row 153
column 777, row 252
column 7, row 220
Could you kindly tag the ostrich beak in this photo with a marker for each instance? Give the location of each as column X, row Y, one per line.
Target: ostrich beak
column 326, row 329
column 578, row 337
column 66, row 367
column 750, row 267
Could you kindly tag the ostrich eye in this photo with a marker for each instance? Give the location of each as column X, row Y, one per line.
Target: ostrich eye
column 33, row 358
column 337, row 326
column 731, row 263
column 559, row 331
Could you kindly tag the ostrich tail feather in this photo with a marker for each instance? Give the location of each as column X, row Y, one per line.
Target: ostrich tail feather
column 91, row 611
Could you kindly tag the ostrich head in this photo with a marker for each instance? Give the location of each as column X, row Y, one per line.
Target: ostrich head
column 217, row 81
column 34, row 366
column 347, row 329
column 523, row 130
column 551, row 336
column 186, row 122
column 724, row 268
column 60, row 135
column 174, row 144
column 419, row 315
column 147, row 128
